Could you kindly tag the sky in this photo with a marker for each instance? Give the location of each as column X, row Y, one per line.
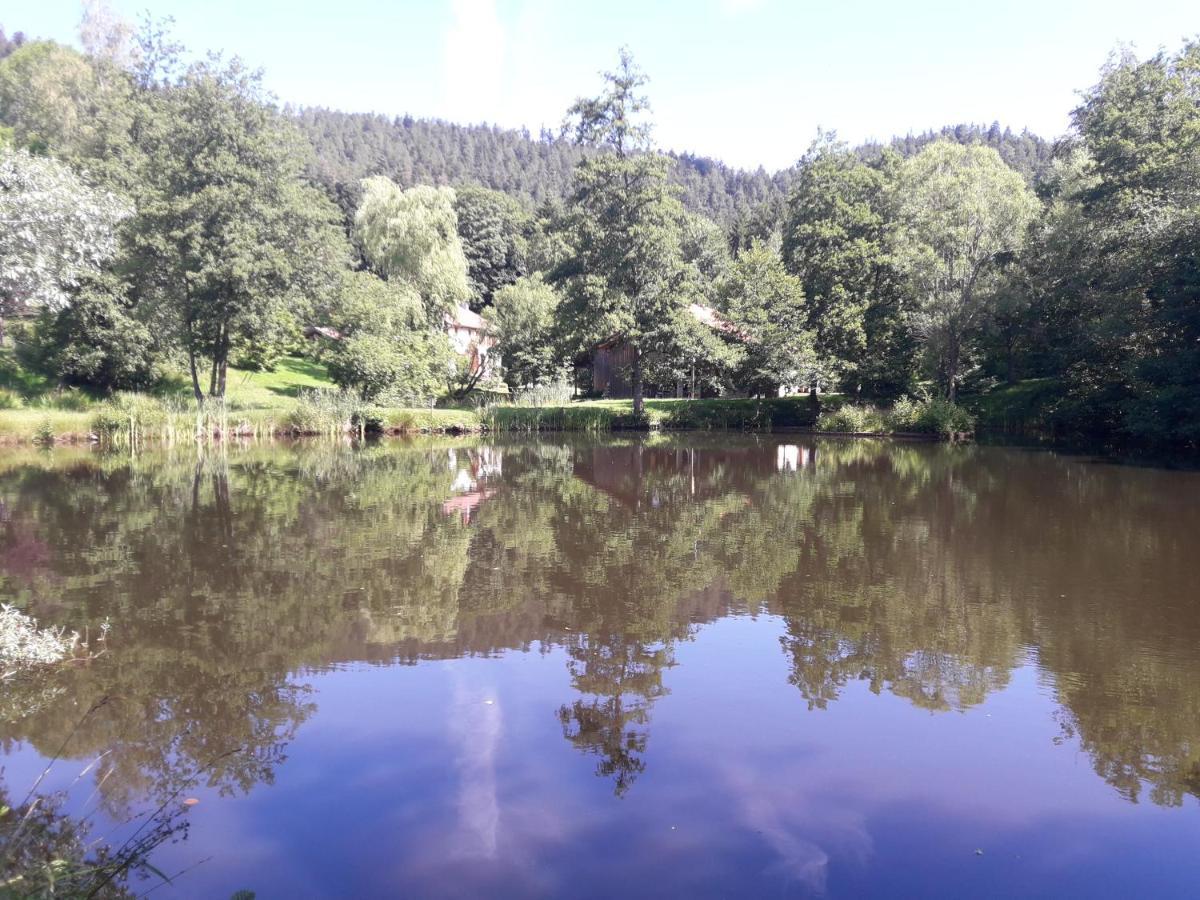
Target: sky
column 749, row 82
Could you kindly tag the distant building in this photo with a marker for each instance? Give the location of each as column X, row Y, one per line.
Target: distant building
column 612, row 361
column 470, row 337
column 468, row 333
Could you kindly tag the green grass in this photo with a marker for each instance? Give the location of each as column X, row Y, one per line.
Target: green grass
column 708, row 414
column 21, row 425
column 281, row 402
column 269, row 390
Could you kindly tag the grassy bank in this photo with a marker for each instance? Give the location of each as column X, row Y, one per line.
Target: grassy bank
column 298, row 399
column 264, row 409
column 719, row 414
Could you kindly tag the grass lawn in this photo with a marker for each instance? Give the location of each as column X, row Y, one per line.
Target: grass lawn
column 264, row 403
column 266, row 390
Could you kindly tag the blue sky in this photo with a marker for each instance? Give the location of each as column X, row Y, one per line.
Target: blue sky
column 747, row 81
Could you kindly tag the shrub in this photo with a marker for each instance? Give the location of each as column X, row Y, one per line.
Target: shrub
column 324, row 412
column 10, row 399
column 44, row 434
column 550, row 393
column 853, row 419
column 931, row 416
column 23, row 643
column 133, row 416
column 69, row 399
column 93, row 342
column 378, row 367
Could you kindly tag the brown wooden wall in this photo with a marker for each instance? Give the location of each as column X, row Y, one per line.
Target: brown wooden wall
column 611, row 367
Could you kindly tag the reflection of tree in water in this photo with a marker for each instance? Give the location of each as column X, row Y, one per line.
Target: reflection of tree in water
column 619, row 678
column 928, row 572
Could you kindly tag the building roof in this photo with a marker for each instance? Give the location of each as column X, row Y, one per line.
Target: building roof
column 705, row 315
column 462, row 317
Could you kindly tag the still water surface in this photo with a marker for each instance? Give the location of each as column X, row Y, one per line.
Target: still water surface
column 695, row 666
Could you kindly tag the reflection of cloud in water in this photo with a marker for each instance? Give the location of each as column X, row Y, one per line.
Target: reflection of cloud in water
column 475, row 726
column 788, row 816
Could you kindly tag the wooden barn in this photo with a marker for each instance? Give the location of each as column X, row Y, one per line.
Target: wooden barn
column 612, row 360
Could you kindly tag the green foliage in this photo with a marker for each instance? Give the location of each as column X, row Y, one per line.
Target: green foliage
column 930, row 416
column 854, row 418
column 547, row 393
column 378, row 366
column 411, row 238
column 324, row 412
column 768, row 307
column 838, row 239
column 934, row 416
column 523, row 318
column 57, row 229
column 44, row 433
column 228, row 240
column 492, row 226
column 394, row 420
column 10, row 399
column 94, row 341
column 707, row 414
column 964, row 212
column 628, row 273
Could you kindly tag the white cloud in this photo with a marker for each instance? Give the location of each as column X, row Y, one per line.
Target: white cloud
column 474, row 86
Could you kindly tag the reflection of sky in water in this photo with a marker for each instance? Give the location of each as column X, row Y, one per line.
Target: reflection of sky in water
column 919, row 709
column 412, row 777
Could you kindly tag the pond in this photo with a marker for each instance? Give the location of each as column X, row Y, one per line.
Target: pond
column 703, row 666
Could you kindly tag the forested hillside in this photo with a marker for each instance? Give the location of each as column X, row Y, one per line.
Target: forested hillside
column 351, row 146
column 1027, row 153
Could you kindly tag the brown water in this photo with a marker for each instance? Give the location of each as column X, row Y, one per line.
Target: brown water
column 695, row 666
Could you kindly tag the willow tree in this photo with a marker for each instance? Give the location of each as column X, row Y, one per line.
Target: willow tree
column 411, row 237
column 965, row 213
column 628, row 278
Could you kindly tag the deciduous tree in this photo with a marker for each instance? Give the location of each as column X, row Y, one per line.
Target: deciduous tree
column 964, row 213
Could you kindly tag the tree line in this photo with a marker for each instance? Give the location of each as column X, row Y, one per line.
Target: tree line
column 165, row 216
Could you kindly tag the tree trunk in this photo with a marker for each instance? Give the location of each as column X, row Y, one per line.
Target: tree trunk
column 952, row 371
column 195, row 377
column 639, row 402
column 191, row 348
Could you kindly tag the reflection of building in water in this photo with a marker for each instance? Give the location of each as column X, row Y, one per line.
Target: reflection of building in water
column 792, row 458
column 639, row 474
column 481, row 464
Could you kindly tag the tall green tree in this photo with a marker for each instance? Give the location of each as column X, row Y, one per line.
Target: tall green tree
column 492, row 226
column 228, row 238
column 1141, row 128
column 386, row 348
column 965, row 212
column 838, row 238
column 627, row 277
column 95, row 340
column 523, row 316
column 84, row 110
column 55, row 228
column 767, row 305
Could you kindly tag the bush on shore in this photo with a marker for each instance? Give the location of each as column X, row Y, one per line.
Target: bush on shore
column 907, row 416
